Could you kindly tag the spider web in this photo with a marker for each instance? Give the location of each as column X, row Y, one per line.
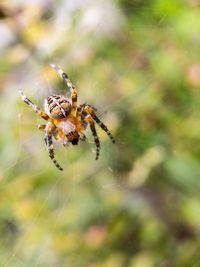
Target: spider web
column 16, row 257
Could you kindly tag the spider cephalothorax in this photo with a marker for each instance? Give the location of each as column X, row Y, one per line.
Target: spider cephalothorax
column 66, row 121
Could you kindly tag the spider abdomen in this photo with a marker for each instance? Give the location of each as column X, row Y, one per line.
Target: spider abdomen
column 73, row 137
column 69, row 130
column 66, row 126
column 57, row 107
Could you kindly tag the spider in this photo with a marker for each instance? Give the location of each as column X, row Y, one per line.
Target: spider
column 66, row 120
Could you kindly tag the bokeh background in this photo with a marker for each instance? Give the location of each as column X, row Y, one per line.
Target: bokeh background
column 138, row 62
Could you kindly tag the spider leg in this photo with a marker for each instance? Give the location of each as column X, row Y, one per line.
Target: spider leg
column 91, row 111
column 48, row 140
column 82, row 137
column 103, row 127
column 96, row 139
column 88, row 118
column 79, row 110
column 69, row 84
column 41, row 126
column 33, row 106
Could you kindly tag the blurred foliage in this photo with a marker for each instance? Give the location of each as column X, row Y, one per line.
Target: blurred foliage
column 138, row 62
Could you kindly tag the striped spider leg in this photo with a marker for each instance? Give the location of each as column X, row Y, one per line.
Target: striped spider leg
column 88, row 115
column 66, row 122
column 69, row 84
column 49, row 128
column 41, row 113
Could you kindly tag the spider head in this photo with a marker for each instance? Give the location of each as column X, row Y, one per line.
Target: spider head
column 57, row 107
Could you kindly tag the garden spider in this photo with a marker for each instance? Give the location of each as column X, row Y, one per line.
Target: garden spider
column 66, row 121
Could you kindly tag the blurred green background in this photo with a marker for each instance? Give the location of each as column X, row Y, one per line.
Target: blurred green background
column 138, row 62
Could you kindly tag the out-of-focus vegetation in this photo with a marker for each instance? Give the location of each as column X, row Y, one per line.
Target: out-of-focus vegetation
column 138, row 62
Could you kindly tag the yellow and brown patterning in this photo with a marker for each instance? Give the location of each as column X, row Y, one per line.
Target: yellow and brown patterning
column 66, row 121
column 57, row 107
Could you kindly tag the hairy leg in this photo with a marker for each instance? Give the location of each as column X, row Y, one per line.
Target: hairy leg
column 48, row 140
column 33, row 106
column 41, row 126
column 89, row 120
column 91, row 111
column 69, row 84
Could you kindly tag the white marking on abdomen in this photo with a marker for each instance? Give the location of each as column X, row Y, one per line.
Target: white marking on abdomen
column 66, row 126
